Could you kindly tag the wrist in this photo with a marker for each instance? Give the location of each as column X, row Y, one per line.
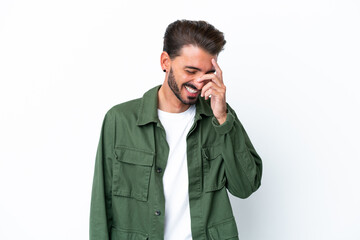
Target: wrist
column 222, row 118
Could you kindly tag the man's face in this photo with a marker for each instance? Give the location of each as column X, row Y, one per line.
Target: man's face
column 185, row 69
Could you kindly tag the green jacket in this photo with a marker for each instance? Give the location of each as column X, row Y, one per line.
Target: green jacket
column 127, row 194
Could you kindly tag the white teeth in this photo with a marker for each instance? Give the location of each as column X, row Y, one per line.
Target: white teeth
column 190, row 89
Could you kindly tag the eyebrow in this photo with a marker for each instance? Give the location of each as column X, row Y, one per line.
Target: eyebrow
column 198, row 69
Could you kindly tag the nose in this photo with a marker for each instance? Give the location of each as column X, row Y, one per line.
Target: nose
column 198, row 85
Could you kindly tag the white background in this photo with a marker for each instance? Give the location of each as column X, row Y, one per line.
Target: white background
column 292, row 74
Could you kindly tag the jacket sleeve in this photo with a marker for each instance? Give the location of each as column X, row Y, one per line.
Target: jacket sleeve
column 243, row 166
column 100, row 209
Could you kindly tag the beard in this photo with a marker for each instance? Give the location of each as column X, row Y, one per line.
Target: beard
column 175, row 89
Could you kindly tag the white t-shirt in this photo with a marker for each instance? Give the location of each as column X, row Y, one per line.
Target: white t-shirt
column 175, row 180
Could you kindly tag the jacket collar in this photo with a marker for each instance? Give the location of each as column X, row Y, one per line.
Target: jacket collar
column 147, row 112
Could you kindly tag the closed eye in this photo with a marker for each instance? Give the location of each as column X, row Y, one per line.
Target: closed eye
column 190, row 72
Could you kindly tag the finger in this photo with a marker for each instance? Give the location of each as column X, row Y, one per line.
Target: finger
column 208, row 93
column 217, row 68
column 206, row 87
column 213, row 93
column 213, row 85
column 211, row 77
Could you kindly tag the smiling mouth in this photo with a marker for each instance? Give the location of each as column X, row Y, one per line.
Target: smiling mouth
column 191, row 90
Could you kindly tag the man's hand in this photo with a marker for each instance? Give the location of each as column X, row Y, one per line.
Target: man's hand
column 215, row 89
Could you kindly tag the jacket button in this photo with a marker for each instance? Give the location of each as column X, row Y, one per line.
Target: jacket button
column 157, row 213
column 158, row 170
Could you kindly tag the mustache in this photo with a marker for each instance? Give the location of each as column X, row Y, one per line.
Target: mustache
column 191, row 86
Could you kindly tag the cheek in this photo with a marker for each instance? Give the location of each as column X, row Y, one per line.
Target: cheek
column 187, row 78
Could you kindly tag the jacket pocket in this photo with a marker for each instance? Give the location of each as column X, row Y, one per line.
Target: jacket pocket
column 213, row 167
column 225, row 230
column 132, row 173
column 119, row 234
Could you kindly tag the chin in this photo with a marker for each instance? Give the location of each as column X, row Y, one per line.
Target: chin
column 190, row 100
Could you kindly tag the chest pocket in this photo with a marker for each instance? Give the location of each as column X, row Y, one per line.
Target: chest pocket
column 226, row 230
column 214, row 170
column 131, row 175
column 118, row 234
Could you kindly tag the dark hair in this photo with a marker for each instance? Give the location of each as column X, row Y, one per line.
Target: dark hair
column 198, row 33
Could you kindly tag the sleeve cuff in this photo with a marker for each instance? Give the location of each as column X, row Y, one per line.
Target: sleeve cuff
column 226, row 126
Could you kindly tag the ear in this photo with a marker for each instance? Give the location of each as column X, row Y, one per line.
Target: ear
column 165, row 61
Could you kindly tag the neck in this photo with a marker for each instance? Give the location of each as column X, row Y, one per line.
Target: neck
column 168, row 102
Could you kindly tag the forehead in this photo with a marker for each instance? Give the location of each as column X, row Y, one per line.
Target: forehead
column 196, row 57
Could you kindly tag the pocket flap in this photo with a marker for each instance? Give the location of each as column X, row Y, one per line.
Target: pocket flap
column 211, row 153
column 224, row 230
column 128, row 235
column 136, row 157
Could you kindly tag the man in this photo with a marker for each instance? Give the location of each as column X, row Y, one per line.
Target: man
column 165, row 161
